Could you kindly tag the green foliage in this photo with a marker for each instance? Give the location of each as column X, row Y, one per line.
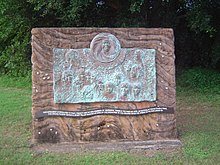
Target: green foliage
column 215, row 52
column 14, row 38
column 199, row 21
column 136, row 5
column 14, row 56
column 202, row 19
column 201, row 80
column 47, row 7
column 202, row 16
column 195, row 23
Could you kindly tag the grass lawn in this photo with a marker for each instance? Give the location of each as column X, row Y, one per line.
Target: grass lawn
column 198, row 122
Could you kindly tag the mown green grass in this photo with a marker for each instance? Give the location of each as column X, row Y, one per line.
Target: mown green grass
column 198, row 114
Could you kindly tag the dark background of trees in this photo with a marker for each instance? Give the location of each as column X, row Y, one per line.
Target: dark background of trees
column 196, row 25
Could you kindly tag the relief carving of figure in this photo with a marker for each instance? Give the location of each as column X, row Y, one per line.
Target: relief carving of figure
column 136, row 90
column 136, row 67
column 138, row 56
column 135, row 72
column 82, row 78
column 88, row 92
column 124, row 91
column 106, row 55
column 88, row 78
column 99, row 89
column 67, row 78
column 67, row 73
column 118, row 79
column 109, row 92
column 105, row 47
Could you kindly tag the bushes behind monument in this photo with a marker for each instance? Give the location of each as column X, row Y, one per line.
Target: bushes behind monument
column 199, row 79
column 196, row 29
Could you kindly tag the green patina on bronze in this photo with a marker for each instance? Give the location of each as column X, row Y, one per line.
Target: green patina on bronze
column 105, row 72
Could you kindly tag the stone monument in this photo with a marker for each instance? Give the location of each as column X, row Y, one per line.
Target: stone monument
column 103, row 84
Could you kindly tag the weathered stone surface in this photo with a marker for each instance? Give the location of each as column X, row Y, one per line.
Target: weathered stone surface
column 102, row 127
column 146, row 147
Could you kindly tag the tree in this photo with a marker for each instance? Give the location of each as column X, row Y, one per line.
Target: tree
column 195, row 23
column 203, row 19
column 15, row 29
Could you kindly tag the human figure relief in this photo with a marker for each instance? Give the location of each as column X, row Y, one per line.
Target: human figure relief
column 82, row 78
column 135, row 68
column 88, row 89
column 118, row 79
column 136, row 92
column 109, row 92
column 124, row 91
column 105, row 55
column 99, row 89
column 105, row 47
column 135, row 72
column 88, row 92
column 67, row 79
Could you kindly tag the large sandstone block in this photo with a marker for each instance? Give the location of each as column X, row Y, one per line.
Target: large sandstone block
column 103, row 84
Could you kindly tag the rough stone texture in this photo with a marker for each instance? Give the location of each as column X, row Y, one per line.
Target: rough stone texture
column 102, row 127
column 131, row 146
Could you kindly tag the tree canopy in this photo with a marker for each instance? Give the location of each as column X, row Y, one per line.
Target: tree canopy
column 195, row 23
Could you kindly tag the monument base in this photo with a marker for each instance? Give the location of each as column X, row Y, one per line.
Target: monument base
column 128, row 146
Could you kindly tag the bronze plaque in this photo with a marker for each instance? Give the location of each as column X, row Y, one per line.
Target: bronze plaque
column 105, row 72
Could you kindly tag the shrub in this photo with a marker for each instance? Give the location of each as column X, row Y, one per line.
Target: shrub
column 14, row 38
column 199, row 79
